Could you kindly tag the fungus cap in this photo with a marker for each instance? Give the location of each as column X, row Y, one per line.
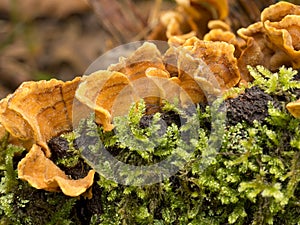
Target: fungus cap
column 294, row 108
column 38, row 111
column 41, row 173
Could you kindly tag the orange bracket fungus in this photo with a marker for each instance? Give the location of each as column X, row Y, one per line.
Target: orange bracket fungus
column 277, row 12
column 35, row 113
column 274, row 41
column 203, row 68
column 197, row 81
column 42, row 173
column 143, row 75
column 174, row 21
column 220, row 31
column 99, row 92
column 189, row 19
column 219, row 57
column 282, row 25
column 294, row 108
column 141, row 68
column 204, row 59
column 38, row 111
column 256, row 52
column 139, row 61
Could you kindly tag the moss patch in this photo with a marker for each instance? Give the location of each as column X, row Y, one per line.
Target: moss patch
column 253, row 178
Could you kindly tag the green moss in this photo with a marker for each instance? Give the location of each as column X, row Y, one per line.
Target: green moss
column 22, row 204
column 252, row 178
column 279, row 83
column 72, row 155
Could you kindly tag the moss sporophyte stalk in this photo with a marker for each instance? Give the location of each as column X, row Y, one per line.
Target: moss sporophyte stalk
column 252, row 179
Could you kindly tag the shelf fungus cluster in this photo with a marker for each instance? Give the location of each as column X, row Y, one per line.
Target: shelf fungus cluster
column 271, row 42
column 39, row 111
column 35, row 113
column 189, row 19
column 274, row 41
column 197, row 67
column 195, row 72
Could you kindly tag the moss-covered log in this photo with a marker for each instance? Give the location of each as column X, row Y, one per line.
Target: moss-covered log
column 253, row 178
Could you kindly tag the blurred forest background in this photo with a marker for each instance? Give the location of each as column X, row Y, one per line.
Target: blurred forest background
column 44, row 39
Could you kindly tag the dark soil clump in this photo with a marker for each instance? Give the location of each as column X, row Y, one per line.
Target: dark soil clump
column 60, row 150
column 167, row 118
column 86, row 208
column 249, row 106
